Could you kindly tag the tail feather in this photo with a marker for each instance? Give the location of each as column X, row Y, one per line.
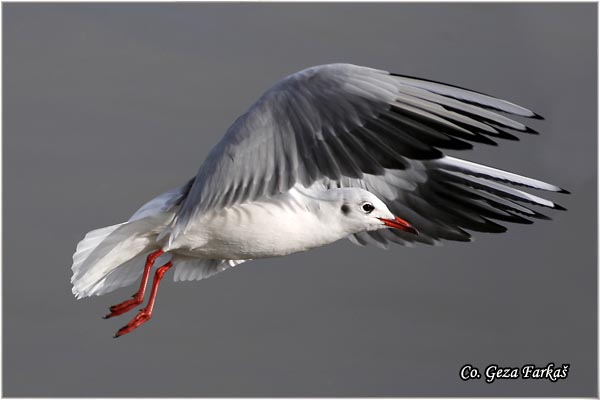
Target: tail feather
column 126, row 274
column 113, row 257
column 104, row 250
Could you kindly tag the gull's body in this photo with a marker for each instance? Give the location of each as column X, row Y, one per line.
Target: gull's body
column 291, row 222
column 330, row 152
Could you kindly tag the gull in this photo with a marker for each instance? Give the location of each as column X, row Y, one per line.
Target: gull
column 333, row 151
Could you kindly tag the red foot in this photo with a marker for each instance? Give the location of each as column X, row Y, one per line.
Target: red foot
column 138, row 297
column 139, row 319
column 146, row 313
column 125, row 306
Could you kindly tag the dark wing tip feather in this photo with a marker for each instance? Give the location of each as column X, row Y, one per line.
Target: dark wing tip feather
column 490, row 227
column 559, row 207
column 502, row 134
column 537, row 116
column 465, row 239
column 531, row 131
column 564, row 191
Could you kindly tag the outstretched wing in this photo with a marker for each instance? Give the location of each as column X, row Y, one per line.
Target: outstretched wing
column 444, row 198
column 340, row 122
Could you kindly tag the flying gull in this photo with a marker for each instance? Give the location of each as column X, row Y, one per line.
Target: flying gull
column 331, row 152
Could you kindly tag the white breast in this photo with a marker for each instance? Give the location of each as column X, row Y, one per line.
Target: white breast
column 285, row 224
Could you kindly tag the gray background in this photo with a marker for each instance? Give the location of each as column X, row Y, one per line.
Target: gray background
column 107, row 105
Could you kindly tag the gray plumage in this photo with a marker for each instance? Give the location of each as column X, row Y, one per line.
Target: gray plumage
column 331, row 152
column 344, row 125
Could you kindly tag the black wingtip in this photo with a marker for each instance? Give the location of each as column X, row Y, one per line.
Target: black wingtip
column 531, row 131
column 541, row 216
column 537, row 116
column 564, row 191
column 559, row 207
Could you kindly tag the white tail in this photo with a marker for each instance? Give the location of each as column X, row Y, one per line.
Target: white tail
column 113, row 257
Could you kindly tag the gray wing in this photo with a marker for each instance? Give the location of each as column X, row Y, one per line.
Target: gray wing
column 338, row 122
column 444, row 198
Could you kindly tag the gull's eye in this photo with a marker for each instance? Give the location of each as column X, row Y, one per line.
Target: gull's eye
column 368, row 207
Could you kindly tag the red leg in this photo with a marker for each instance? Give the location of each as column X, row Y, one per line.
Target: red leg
column 138, row 297
column 146, row 313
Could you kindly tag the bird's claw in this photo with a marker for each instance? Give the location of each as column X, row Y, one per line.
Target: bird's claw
column 142, row 317
column 123, row 307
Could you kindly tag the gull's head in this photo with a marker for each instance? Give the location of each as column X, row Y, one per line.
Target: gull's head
column 359, row 210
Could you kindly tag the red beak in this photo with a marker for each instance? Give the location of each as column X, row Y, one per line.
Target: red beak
column 399, row 223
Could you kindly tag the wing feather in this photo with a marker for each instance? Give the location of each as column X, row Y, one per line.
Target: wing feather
column 351, row 125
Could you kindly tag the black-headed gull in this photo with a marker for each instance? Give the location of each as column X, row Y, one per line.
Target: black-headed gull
column 333, row 151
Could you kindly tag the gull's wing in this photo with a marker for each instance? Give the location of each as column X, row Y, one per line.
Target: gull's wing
column 338, row 122
column 443, row 198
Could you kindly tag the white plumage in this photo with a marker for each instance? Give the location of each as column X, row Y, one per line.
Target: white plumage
column 330, row 152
